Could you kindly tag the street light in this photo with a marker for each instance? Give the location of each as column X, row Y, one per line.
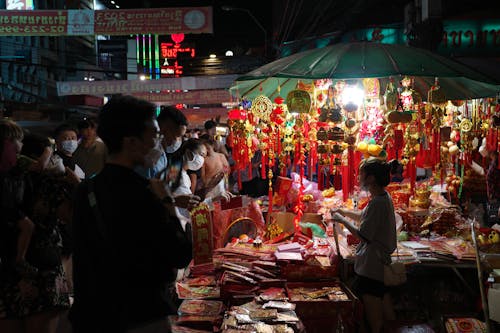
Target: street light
column 234, row 9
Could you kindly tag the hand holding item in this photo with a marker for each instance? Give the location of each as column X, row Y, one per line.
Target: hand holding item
column 187, row 201
column 71, row 176
column 337, row 217
column 227, row 196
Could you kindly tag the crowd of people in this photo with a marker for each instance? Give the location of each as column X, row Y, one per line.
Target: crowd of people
column 96, row 218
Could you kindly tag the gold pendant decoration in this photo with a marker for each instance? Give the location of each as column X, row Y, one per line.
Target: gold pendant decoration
column 262, row 107
column 298, row 101
column 465, row 125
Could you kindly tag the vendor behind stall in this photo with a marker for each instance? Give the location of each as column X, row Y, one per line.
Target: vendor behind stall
column 377, row 232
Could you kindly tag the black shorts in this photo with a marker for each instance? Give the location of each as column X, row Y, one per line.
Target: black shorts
column 365, row 286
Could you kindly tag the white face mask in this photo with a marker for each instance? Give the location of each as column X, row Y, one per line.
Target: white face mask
column 69, row 146
column 196, row 163
column 174, row 146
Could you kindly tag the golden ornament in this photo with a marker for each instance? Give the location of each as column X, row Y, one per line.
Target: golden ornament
column 465, row 125
column 262, row 107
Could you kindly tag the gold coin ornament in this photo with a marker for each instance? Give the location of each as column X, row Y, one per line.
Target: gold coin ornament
column 465, row 125
column 262, row 107
column 298, row 101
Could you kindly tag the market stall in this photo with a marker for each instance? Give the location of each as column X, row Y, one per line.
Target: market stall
column 313, row 117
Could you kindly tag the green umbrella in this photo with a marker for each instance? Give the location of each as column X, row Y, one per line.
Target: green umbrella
column 453, row 88
column 364, row 60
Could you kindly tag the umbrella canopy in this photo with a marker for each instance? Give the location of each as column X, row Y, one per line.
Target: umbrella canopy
column 364, row 60
column 453, row 88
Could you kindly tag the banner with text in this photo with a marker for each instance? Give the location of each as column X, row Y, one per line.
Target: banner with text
column 187, row 20
column 127, row 87
column 215, row 96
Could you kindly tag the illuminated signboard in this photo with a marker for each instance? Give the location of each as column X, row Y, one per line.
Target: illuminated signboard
column 19, row 5
column 171, row 52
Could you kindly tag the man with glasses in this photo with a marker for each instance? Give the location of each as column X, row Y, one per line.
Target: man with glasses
column 128, row 240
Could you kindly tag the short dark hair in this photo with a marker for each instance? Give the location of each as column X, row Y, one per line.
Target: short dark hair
column 192, row 145
column 63, row 128
column 34, row 145
column 86, row 123
column 173, row 114
column 378, row 169
column 209, row 124
column 123, row 116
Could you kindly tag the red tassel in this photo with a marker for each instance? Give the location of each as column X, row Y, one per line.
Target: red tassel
column 263, row 165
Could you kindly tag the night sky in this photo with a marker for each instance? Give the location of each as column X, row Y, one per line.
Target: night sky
column 296, row 19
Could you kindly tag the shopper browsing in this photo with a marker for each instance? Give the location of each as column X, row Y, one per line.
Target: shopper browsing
column 128, row 240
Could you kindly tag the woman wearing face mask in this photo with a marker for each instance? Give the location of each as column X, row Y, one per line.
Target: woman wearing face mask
column 33, row 289
column 61, row 162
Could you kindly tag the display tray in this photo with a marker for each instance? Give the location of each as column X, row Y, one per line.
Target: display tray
column 330, row 313
column 304, row 272
column 317, row 300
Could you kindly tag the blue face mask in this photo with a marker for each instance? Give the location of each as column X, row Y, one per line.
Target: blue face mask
column 69, row 146
column 174, row 146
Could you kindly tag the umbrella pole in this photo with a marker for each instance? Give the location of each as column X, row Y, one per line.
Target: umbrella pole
column 484, row 300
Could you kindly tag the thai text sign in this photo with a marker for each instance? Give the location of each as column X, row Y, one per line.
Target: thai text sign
column 127, row 87
column 33, row 23
column 214, row 96
column 470, row 36
column 106, row 22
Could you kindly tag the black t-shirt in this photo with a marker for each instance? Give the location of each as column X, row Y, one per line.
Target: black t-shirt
column 122, row 280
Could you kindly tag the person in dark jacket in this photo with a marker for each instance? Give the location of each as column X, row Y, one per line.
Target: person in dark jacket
column 127, row 239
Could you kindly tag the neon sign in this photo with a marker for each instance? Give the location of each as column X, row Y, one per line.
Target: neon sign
column 172, row 70
column 171, row 52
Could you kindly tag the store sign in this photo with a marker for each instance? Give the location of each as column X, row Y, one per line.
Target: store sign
column 106, row 22
column 33, row 23
column 460, row 37
column 214, row 96
column 392, row 35
column 470, row 37
column 19, row 5
column 127, row 87
column 154, row 21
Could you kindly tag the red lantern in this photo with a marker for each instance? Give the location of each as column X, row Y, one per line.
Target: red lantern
column 279, row 100
column 237, row 114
